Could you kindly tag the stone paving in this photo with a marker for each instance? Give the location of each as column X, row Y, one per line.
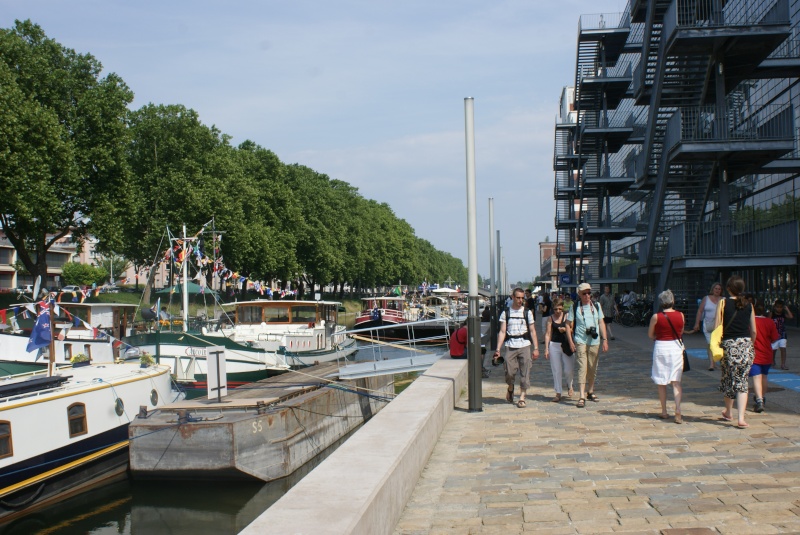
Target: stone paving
column 613, row 466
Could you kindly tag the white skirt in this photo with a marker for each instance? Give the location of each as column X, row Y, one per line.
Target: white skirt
column 667, row 362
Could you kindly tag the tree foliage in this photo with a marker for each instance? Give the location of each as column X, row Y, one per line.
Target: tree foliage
column 74, row 160
column 82, row 274
column 63, row 137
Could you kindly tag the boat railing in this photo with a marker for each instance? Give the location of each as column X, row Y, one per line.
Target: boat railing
column 377, row 339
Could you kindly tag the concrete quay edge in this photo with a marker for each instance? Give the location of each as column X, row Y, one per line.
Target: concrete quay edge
column 363, row 487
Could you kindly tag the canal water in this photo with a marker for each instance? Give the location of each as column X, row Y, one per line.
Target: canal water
column 159, row 508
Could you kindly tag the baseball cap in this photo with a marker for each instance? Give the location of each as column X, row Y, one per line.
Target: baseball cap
column 584, row 286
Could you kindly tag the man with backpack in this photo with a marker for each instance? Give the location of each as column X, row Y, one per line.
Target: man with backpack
column 517, row 333
column 589, row 334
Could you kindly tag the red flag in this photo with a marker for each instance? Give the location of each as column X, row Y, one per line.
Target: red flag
column 2, row 316
column 117, row 343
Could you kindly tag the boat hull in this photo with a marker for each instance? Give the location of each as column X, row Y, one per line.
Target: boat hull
column 47, row 458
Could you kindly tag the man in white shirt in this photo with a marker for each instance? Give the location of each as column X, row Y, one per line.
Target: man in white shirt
column 517, row 333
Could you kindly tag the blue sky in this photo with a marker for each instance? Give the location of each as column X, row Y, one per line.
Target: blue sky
column 369, row 92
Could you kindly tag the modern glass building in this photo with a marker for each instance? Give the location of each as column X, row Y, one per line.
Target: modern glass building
column 676, row 149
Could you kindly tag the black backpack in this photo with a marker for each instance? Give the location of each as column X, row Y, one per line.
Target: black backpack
column 527, row 335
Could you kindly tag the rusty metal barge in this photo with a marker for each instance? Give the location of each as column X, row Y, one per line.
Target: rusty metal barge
column 262, row 431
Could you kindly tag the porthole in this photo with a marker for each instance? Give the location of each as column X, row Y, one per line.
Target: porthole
column 119, row 407
column 153, row 397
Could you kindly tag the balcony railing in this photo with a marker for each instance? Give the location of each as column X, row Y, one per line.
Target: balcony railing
column 733, row 239
column 602, row 21
column 683, row 14
column 712, row 123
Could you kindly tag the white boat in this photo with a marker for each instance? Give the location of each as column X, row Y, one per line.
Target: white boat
column 61, row 434
column 261, row 338
column 90, row 329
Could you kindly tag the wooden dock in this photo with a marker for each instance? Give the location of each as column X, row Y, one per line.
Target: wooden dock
column 264, row 431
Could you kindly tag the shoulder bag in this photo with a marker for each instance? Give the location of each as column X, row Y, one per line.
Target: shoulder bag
column 686, row 366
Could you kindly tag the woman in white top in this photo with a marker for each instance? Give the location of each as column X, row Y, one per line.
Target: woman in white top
column 707, row 313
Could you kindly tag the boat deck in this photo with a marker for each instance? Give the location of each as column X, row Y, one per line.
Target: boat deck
column 264, row 392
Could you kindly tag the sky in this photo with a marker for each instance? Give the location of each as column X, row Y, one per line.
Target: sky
column 370, row 92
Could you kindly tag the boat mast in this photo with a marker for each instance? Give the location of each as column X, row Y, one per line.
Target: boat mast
column 184, row 281
column 51, row 361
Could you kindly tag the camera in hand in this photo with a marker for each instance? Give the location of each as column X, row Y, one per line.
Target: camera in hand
column 592, row 331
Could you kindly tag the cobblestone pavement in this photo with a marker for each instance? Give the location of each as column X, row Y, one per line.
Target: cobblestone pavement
column 613, row 466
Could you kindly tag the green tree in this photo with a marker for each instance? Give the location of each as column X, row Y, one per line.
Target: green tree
column 113, row 265
column 82, row 274
column 62, row 142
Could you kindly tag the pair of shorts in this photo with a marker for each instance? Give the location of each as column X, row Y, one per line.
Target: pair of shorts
column 608, row 319
column 779, row 344
column 759, row 369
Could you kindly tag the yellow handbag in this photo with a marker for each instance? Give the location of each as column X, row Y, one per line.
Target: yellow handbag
column 716, row 335
column 714, row 344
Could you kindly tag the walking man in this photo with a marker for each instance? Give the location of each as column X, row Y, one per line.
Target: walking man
column 609, row 307
column 589, row 334
column 517, row 334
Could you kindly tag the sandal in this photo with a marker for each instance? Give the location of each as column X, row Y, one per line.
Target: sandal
column 557, row 398
column 678, row 418
column 581, row 403
column 664, row 416
column 510, row 396
column 570, row 393
column 592, row 397
column 521, row 404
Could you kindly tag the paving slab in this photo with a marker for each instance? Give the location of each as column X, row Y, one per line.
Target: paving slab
column 614, row 466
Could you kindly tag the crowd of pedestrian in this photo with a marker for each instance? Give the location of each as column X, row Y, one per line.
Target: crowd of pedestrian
column 576, row 329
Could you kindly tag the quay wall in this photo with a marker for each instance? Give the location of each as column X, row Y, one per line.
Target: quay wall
column 363, row 487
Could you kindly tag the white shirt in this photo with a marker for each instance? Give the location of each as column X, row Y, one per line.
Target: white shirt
column 518, row 326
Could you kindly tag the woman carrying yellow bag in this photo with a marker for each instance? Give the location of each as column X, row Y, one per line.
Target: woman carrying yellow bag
column 739, row 330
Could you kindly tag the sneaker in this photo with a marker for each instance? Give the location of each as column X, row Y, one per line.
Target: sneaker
column 759, row 406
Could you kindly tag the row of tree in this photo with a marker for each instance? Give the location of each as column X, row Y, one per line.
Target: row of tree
column 75, row 160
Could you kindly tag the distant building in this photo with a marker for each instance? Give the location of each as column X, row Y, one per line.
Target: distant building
column 550, row 267
column 63, row 251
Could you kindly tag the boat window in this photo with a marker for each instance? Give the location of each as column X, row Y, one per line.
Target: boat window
column 248, row 314
column 77, row 419
column 74, row 312
column 277, row 314
column 304, row 314
column 6, row 447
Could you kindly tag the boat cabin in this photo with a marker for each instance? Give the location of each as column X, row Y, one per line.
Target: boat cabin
column 306, row 313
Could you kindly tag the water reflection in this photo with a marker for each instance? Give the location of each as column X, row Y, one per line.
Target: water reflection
column 154, row 508
column 129, row 507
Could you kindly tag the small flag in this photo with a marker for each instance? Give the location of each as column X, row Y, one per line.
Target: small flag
column 40, row 335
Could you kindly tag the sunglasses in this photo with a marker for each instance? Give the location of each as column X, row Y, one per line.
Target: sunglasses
column 587, row 292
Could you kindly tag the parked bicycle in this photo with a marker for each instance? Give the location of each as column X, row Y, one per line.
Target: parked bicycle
column 638, row 314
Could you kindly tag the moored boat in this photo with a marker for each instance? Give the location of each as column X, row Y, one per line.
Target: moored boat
column 64, row 433
column 386, row 311
column 261, row 338
column 89, row 329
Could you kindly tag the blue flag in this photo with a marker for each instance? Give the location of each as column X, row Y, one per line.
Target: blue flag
column 40, row 335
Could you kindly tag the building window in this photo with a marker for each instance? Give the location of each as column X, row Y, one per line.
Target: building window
column 67, row 352
column 77, row 420
column 6, row 447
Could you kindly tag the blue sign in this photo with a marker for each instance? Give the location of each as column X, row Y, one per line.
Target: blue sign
column 566, row 279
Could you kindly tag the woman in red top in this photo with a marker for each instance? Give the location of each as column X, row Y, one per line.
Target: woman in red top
column 666, row 328
column 766, row 335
